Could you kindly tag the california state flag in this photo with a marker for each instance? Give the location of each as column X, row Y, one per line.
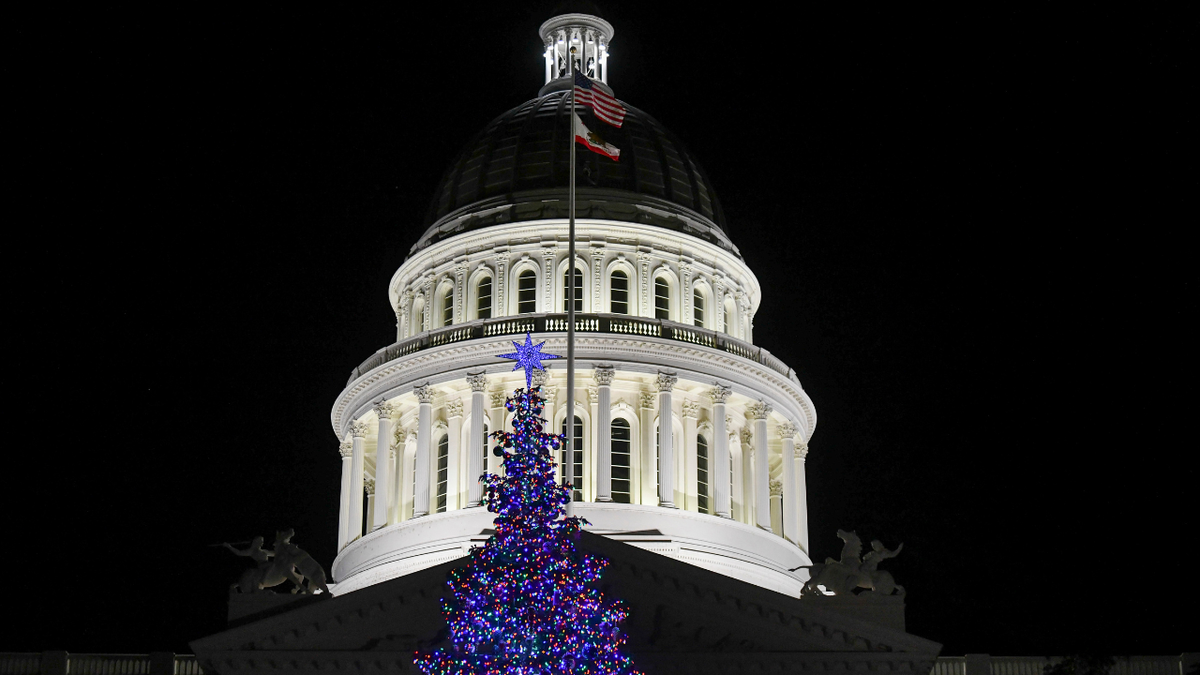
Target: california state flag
column 592, row 141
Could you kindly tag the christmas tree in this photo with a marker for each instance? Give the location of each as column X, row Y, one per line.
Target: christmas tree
column 522, row 606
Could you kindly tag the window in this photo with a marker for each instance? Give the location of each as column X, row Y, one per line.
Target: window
column 702, row 475
column 443, row 470
column 662, row 299
column 698, row 308
column 527, row 292
column 486, row 450
column 448, row 307
column 620, row 461
column 730, row 316
column 619, row 295
column 483, row 302
column 577, row 457
column 578, row 289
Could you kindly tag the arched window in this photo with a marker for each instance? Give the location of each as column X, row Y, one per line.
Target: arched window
column 527, row 292
column 662, row 299
column 483, row 300
column 619, row 293
column 621, row 478
column 698, row 307
column 577, row 458
column 418, row 316
column 448, row 306
column 578, row 289
column 702, row 475
column 486, row 450
column 730, row 317
column 443, row 471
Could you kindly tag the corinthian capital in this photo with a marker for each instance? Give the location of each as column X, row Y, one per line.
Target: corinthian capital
column 759, row 410
column 776, row 488
column 538, row 378
column 424, row 393
column 346, row 449
column 454, row 408
column 746, row 435
column 802, row 452
column 384, row 410
column 498, row 399
column 647, row 400
column 604, row 375
column 690, row 409
column 478, row 381
column 358, row 429
column 787, row 430
column 719, row 393
column 666, row 381
column 369, row 485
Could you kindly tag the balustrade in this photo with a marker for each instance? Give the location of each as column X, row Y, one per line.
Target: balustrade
column 618, row 324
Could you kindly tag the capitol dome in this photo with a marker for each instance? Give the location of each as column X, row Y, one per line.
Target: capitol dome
column 521, row 161
column 687, row 438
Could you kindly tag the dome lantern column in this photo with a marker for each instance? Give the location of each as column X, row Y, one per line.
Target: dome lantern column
column 588, row 34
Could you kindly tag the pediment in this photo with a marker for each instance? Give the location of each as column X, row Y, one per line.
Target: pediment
column 679, row 614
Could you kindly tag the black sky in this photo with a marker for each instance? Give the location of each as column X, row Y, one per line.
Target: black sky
column 970, row 228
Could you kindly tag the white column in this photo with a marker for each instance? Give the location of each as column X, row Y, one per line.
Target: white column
column 454, row 415
column 358, row 431
column 383, row 465
column 688, row 491
column 603, row 421
column 396, row 489
column 719, row 466
column 421, row 499
column 747, row 482
column 476, row 446
column 666, row 453
column 496, row 464
column 776, row 488
column 369, row 487
column 589, row 457
column 346, row 451
column 791, row 512
column 647, row 489
column 762, row 465
column 801, row 498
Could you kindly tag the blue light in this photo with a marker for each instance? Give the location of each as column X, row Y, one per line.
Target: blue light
column 529, row 356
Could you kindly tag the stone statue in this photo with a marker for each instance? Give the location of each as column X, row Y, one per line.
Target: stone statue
column 289, row 563
column 843, row 576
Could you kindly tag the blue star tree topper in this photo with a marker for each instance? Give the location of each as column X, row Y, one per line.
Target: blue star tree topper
column 529, row 356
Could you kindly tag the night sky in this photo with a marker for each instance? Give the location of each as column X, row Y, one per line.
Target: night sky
column 969, row 227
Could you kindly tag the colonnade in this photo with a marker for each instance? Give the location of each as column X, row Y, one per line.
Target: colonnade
column 370, row 503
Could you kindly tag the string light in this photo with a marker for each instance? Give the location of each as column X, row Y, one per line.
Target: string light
column 523, row 605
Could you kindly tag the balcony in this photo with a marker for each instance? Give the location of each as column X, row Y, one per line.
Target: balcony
column 614, row 324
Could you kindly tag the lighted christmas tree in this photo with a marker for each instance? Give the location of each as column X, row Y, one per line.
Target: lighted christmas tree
column 523, row 605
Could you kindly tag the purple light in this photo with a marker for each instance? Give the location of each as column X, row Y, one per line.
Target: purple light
column 529, row 356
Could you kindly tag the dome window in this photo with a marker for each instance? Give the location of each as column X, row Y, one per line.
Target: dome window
column 443, row 471
column 620, row 461
column 619, row 295
column 483, row 302
column 702, row 475
column 577, row 458
column 527, row 292
column 662, row 299
column 698, row 308
column 578, row 289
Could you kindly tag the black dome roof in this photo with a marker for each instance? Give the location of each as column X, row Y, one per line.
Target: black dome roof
column 521, row 159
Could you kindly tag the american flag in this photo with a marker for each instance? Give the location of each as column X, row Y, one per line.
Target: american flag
column 605, row 107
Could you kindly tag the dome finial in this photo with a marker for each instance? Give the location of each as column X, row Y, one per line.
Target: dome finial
column 589, row 34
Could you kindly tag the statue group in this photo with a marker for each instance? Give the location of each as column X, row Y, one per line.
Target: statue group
column 287, row 562
column 842, row 577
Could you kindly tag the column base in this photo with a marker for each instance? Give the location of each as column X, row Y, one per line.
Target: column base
column 667, row 505
column 605, row 500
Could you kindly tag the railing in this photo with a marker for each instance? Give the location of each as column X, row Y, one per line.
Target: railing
column 617, row 324
column 986, row 664
column 163, row 663
column 63, row 663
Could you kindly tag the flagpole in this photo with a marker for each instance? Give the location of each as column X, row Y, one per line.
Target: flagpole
column 569, row 470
